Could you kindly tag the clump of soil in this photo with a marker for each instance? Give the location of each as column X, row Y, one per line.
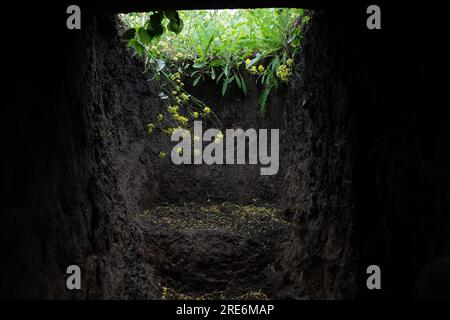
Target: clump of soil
column 215, row 251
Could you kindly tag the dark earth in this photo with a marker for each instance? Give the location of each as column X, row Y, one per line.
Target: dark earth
column 220, row 251
column 364, row 174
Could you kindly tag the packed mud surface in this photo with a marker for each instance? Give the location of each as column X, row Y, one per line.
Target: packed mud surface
column 215, row 251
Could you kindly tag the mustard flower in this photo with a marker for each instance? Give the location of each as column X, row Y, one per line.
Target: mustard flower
column 207, row 110
column 261, row 68
column 173, row 109
column 150, row 128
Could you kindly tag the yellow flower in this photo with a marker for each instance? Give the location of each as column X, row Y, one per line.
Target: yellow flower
column 183, row 121
column 175, row 76
column 173, row 109
column 283, row 72
column 253, row 70
column 162, row 155
column 195, row 114
column 169, row 131
column 179, row 55
column 247, row 62
column 185, row 96
column 165, row 293
column 206, row 110
column 174, row 92
column 150, row 128
column 160, row 117
column 289, row 62
column 261, row 68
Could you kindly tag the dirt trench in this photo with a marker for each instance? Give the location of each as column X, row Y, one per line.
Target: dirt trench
column 215, row 251
column 363, row 179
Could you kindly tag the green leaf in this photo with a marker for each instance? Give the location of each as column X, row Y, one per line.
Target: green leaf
column 139, row 48
column 160, row 65
column 217, row 62
column 129, row 34
column 199, row 65
column 292, row 38
column 171, row 14
column 220, row 77
column 224, row 87
column 156, row 18
column 275, row 64
column 144, row 36
column 244, row 86
column 255, row 60
column 263, row 99
column 213, row 36
column 155, row 27
column 197, row 80
column 226, row 69
column 238, row 81
column 175, row 26
column 200, row 52
column 226, row 82
column 156, row 31
column 175, row 23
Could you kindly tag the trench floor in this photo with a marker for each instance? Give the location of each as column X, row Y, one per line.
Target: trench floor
column 215, row 251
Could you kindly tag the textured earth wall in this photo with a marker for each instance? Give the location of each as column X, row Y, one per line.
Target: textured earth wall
column 77, row 172
column 366, row 180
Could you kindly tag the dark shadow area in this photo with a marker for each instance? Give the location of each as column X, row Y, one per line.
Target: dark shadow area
column 366, row 179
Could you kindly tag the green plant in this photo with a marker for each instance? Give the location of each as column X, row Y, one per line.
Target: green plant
column 216, row 45
column 143, row 28
column 220, row 45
